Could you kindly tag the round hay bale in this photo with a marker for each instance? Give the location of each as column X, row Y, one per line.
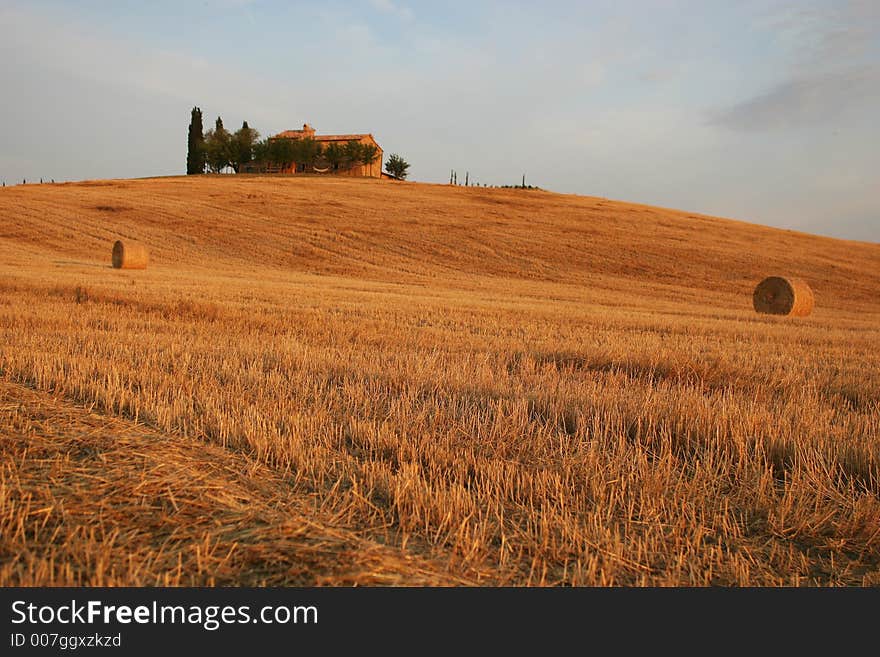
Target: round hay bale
column 129, row 255
column 783, row 296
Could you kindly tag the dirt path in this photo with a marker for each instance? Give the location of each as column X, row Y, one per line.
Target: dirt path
column 87, row 499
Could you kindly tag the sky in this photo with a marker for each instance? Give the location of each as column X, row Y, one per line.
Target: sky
column 764, row 111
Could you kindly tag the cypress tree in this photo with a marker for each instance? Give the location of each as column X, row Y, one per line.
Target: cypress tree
column 195, row 154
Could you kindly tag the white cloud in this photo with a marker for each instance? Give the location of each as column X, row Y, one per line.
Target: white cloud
column 393, row 8
column 84, row 52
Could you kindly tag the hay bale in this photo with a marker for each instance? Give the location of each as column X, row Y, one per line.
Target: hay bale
column 783, row 296
column 129, row 255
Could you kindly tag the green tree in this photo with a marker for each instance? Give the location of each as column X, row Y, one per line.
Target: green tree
column 261, row 151
column 352, row 152
column 397, row 166
column 241, row 147
column 218, row 147
column 334, row 155
column 281, row 152
column 319, row 155
column 195, row 152
column 368, row 155
column 307, row 151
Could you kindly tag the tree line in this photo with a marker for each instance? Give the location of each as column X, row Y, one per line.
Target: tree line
column 217, row 150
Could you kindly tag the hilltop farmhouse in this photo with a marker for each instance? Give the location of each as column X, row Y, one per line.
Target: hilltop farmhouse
column 322, row 163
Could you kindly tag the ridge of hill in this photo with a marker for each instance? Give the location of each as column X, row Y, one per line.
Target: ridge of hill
column 414, row 232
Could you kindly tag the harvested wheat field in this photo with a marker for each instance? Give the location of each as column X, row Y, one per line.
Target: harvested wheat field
column 325, row 381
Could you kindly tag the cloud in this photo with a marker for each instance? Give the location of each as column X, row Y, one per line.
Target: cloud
column 89, row 55
column 825, row 37
column 229, row 4
column 135, row 66
column 805, row 100
column 657, row 74
column 390, row 7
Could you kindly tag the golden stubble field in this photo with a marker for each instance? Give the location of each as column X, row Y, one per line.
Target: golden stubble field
column 336, row 382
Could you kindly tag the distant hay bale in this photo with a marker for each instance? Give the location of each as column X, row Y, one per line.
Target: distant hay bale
column 129, row 255
column 783, row 296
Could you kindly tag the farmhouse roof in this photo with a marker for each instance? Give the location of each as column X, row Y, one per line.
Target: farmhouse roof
column 341, row 137
column 309, row 132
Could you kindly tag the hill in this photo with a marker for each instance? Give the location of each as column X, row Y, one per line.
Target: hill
column 467, row 385
column 416, row 232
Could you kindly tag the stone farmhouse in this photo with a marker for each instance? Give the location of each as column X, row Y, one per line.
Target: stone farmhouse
column 321, row 165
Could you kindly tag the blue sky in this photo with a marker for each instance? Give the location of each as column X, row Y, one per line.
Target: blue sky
column 761, row 111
